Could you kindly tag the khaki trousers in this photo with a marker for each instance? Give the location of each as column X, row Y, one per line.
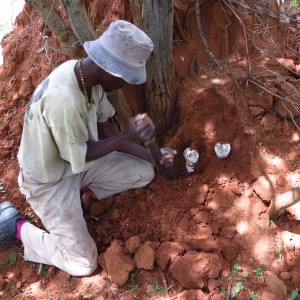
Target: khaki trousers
column 67, row 244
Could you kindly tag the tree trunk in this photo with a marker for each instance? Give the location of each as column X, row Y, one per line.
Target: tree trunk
column 79, row 20
column 156, row 19
column 59, row 28
column 123, row 111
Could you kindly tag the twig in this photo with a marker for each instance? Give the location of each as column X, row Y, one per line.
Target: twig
column 179, row 27
column 291, row 115
column 262, row 10
column 11, row 260
column 231, row 280
column 284, row 97
column 163, row 278
column 190, row 5
column 203, row 37
column 283, row 201
column 278, row 96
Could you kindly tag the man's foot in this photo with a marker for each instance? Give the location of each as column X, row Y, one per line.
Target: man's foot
column 9, row 216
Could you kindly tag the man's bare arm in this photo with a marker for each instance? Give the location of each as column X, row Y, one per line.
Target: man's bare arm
column 111, row 139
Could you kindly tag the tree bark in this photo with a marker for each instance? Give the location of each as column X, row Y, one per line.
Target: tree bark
column 59, row 28
column 123, row 111
column 79, row 20
column 156, row 19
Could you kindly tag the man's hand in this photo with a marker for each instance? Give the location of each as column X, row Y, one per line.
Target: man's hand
column 140, row 128
column 168, row 155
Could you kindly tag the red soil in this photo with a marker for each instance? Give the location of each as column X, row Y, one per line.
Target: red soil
column 185, row 235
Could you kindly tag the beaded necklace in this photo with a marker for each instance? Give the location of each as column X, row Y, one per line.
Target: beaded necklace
column 87, row 102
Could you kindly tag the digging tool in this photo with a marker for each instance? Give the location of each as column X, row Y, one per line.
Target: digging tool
column 156, row 155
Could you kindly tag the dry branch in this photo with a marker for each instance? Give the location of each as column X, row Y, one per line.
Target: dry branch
column 79, row 19
column 283, row 201
column 179, row 27
column 203, row 37
column 263, row 10
column 59, row 28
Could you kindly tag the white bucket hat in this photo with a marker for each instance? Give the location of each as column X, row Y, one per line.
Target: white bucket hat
column 122, row 50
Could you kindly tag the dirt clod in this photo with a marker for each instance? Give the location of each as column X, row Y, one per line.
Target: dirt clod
column 117, row 264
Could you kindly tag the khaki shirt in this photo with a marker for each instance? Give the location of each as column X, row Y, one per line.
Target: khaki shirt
column 57, row 126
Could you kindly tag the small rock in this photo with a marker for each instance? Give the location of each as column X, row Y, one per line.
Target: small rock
column 71, row 296
column 193, row 211
column 263, row 188
column 10, row 279
column 249, row 193
column 203, row 240
column 279, row 265
column 108, row 203
column 288, row 241
column 107, row 240
column 202, row 217
column 194, row 269
column 290, row 246
column 115, row 215
column 144, row 257
column 14, row 292
column 166, row 253
column 275, row 285
column 229, row 249
column 139, row 192
column 268, row 296
column 132, row 244
column 97, row 208
column 142, row 206
column 296, row 275
column 273, row 226
column 213, row 284
column 143, row 237
column 154, row 186
column 297, row 245
column 2, row 284
column 236, row 190
column 15, row 128
column 117, row 264
column 192, row 295
column 51, row 271
column 19, row 284
column 87, row 200
column 286, row 275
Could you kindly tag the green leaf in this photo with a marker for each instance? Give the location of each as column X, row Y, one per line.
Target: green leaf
column 294, row 294
column 259, row 272
column 253, row 296
column 42, row 270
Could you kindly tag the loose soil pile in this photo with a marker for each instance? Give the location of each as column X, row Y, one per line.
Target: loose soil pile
column 204, row 234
